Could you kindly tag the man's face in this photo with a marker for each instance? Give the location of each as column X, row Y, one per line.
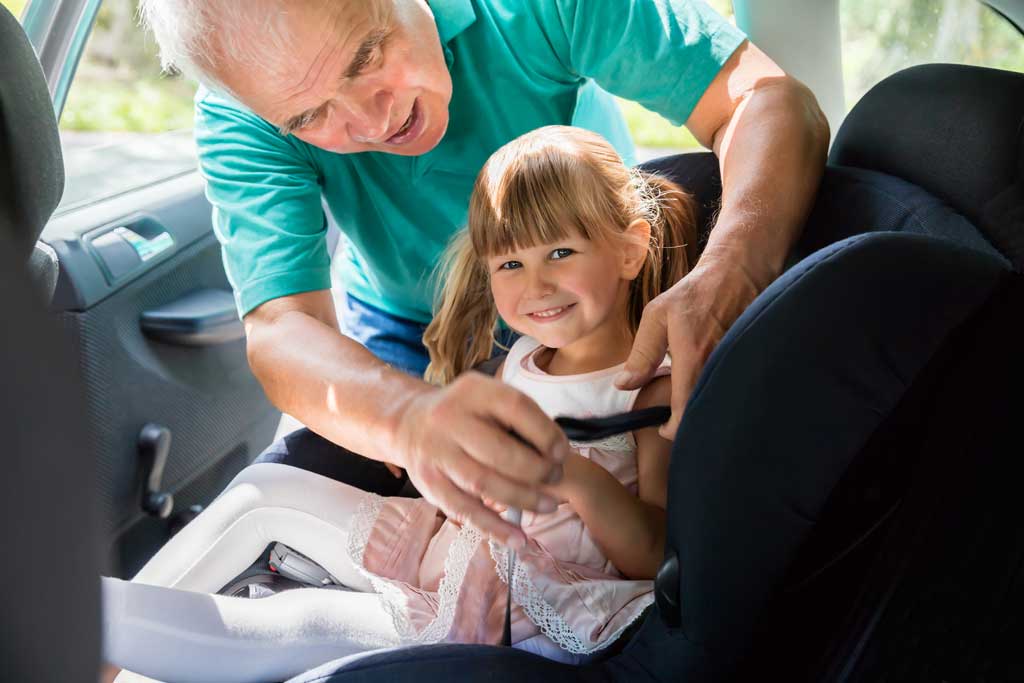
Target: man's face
column 362, row 75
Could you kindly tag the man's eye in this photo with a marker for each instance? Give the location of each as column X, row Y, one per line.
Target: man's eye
column 308, row 121
column 370, row 61
column 561, row 252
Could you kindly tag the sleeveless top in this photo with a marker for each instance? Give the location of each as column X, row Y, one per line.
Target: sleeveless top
column 444, row 582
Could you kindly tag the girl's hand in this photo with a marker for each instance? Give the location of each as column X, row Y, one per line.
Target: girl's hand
column 575, row 470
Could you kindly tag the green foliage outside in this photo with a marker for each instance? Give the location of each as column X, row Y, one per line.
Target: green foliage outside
column 148, row 106
column 15, row 6
column 881, row 37
column 118, row 86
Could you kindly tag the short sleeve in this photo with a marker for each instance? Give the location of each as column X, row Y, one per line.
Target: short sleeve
column 267, row 211
column 660, row 53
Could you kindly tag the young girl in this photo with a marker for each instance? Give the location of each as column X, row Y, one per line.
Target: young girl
column 567, row 246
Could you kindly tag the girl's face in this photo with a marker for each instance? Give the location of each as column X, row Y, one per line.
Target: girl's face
column 566, row 291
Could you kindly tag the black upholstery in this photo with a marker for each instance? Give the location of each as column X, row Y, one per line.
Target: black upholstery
column 49, row 585
column 956, row 131
column 31, row 165
column 837, row 341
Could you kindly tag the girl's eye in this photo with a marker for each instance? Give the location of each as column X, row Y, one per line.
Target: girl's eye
column 510, row 265
column 561, row 252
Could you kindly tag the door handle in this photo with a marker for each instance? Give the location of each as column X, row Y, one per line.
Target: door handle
column 201, row 318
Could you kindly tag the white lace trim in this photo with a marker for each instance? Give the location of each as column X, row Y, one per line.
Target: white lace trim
column 455, row 566
column 617, row 443
column 552, row 624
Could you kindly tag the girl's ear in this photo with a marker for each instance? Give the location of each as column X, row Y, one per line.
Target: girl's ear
column 636, row 244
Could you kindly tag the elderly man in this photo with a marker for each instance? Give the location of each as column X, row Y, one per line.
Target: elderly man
column 383, row 111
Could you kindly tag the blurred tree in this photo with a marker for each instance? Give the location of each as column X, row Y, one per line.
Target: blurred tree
column 15, row 6
column 881, row 37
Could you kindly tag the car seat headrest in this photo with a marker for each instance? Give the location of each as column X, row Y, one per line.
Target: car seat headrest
column 31, row 165
column 956, row 131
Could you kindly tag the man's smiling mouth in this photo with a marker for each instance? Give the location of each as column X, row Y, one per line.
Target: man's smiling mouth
column 411, row 129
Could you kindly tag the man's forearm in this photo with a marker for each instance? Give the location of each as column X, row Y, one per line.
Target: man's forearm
column 771, row 153
column 331, row 383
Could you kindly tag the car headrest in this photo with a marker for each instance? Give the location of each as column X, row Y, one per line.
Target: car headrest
column 956, row 131
column 31, row 165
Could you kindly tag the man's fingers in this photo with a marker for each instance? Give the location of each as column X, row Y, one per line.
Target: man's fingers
column 465, row 509
column 648, row 351
column 688, row 357
column 480, row 481
column 494, row 447
column 519, row 413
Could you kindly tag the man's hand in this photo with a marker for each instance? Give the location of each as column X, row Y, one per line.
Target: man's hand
column 688, row 321
column 771, row 139
column 456, row 444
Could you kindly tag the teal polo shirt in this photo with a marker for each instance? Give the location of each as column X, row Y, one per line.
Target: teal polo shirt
column 515, row 65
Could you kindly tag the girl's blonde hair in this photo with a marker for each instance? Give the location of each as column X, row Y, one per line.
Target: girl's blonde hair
column 537, row 189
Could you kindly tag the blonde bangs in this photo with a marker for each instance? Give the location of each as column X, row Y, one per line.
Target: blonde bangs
column 538, row 194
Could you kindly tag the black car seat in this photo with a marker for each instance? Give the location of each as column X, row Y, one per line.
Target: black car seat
column 841, row 497
column 31, row 164
column 48, row 513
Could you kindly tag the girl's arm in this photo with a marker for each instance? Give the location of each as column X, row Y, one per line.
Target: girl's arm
column 629, row 530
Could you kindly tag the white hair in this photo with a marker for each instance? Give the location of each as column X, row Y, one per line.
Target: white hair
column 192, row 34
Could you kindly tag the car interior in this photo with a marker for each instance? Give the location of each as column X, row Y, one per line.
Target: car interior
column 872, row 535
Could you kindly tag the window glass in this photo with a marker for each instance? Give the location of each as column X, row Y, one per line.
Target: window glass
column 653, row 135
column 125, row 125
column 881, row 37
column 16, row 7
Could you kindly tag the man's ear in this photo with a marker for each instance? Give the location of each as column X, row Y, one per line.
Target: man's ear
column 636, row 244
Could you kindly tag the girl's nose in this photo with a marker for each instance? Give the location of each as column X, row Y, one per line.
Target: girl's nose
column 539, row 286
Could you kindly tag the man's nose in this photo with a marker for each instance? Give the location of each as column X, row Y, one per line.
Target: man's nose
column 369, row 117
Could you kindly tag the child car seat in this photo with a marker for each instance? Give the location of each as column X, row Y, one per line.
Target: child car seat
column 821, row 438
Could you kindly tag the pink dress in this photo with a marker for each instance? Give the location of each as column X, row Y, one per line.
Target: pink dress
column 446, row 582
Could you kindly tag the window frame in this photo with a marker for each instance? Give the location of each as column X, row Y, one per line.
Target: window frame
column 58, row 30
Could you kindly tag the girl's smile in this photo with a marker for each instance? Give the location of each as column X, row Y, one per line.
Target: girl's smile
column 551, row 314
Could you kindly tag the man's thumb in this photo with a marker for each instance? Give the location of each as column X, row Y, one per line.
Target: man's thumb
column 649, row 349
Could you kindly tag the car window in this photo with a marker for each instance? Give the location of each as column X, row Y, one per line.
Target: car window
column 654, row 135
column 881, row 37
column 124, row 125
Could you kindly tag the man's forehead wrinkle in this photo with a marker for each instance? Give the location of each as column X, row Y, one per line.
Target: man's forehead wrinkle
column 310, row 78
column 345, row 26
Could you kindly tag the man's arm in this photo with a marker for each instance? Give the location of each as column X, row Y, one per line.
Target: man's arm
column 771, row 139
column 453, row 441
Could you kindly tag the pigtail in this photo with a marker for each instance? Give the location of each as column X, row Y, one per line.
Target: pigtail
column 461, row 335
column 672, row 214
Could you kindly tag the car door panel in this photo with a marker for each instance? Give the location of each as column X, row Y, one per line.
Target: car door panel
column 199, row 387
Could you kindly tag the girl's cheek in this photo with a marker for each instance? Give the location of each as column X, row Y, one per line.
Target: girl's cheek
column 504, row 301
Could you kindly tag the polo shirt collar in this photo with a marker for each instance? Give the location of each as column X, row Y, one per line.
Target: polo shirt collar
column 452, row 17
